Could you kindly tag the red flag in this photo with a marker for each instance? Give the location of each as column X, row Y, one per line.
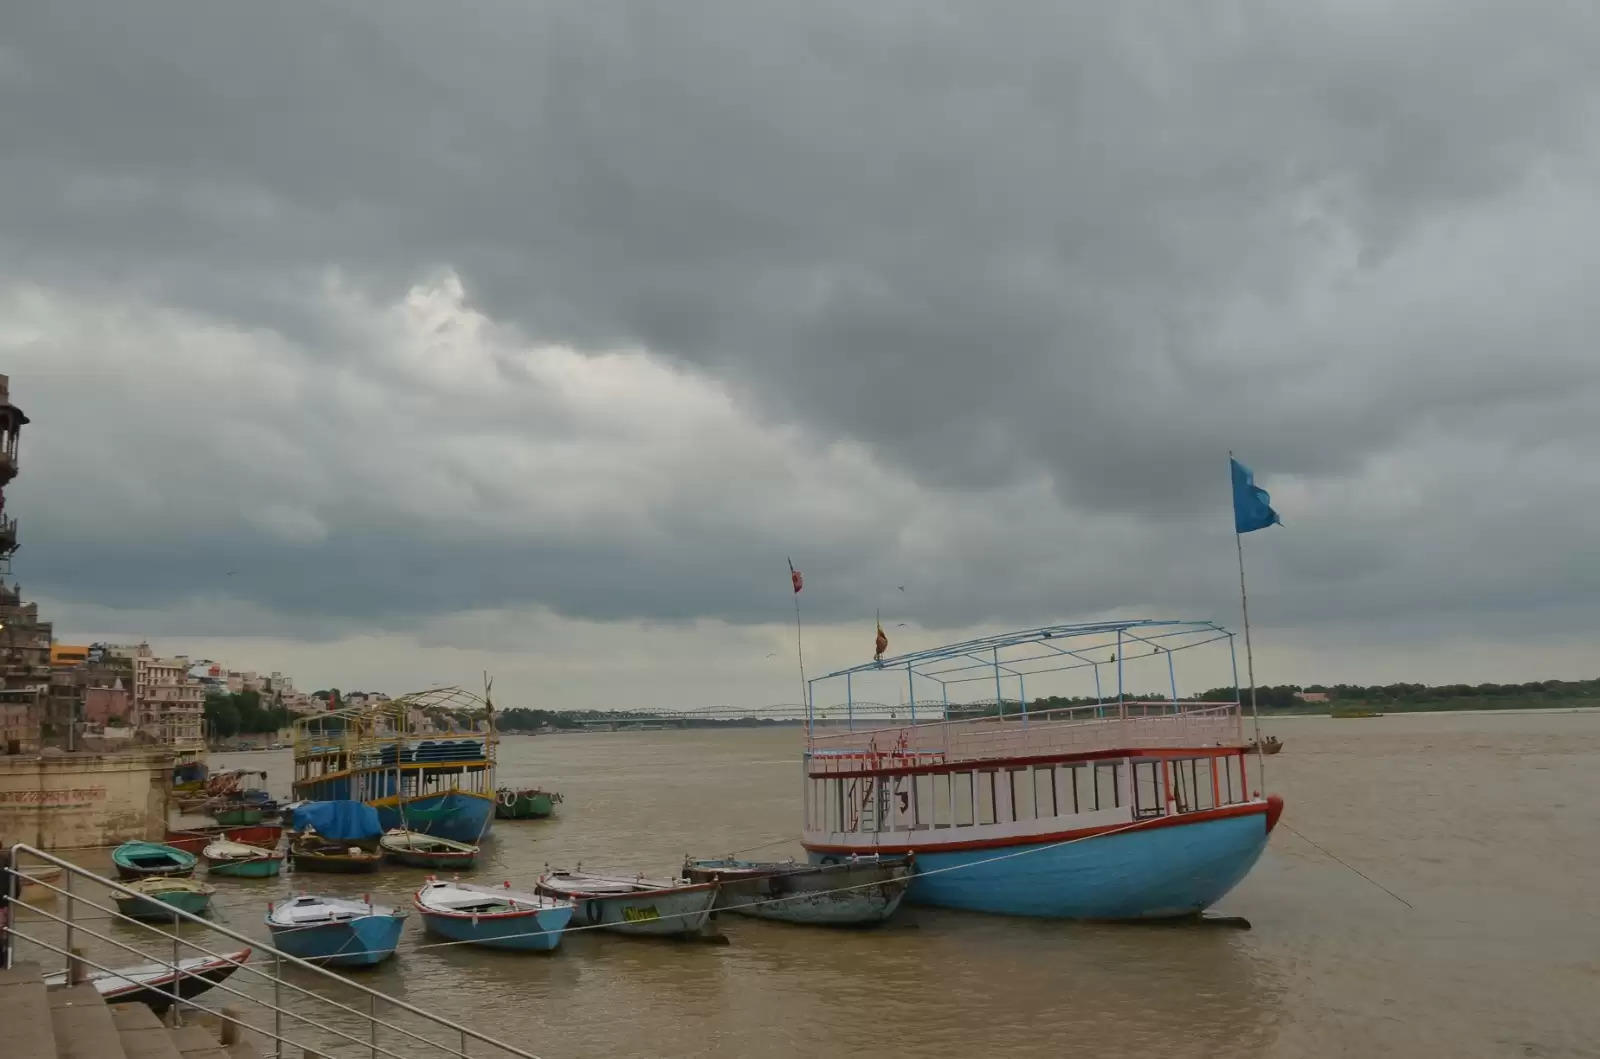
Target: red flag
column 881, row 643
column 795, row 578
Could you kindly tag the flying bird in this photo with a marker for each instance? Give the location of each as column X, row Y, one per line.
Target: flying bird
column 901, row 587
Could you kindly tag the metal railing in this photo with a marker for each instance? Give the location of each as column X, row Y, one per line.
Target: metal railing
column 296, row 1019
column 1077, row 729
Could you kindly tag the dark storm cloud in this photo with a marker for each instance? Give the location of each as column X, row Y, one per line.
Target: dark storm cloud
column 1044, row 264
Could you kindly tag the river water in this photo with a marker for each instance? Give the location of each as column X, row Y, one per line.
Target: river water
column 1485, row 824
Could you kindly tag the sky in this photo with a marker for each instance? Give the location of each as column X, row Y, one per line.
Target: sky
column 386, row 344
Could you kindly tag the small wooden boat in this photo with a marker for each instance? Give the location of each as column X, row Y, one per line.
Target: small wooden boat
column 335, row 931
column 416, row 850
column 1270, row 745
column 235, row 814
column 150, row 983
column 311, row 852
column 158, row 897
column 143, row 860
column 673, row 907
column 496, row 917
column 524, row 803
column 241, row 861
column 37, row 883
column 195, row 839
column 858, row 892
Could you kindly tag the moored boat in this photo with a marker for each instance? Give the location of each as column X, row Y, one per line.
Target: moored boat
column 156, row 898
column 525, row 803
column 416, row 850
column 858, row 892
column 1114, row 809
column 241, row 861
column 663, row 907
column 195, row 839
column 1270, row 745
column 153, row 983
column 335, row 931
column 497, row 917
column 312, row 852
column 143, row 860
column 237, row 814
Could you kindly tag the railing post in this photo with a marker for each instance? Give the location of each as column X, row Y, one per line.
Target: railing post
column 177, row 984
column 71, row 906
column 372, row 1025
column 463, row 1052
column 277, row 1002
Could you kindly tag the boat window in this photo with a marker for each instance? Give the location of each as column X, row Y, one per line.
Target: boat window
column 1147, row 799
column 961, row 797
column 835, row 814
column 1232, row 779
column 1020, row 784
column 1044, row 792
column 923, row 802
column 985, row 802
column 941, row 800
column 1067, row 790
column 1107, row 791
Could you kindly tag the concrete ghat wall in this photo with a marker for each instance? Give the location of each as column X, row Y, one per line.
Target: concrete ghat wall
column 67, row 801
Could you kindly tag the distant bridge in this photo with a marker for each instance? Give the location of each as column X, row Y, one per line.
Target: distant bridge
column 839, row 713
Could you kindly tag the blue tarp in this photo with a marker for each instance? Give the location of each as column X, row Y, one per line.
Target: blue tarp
column 342, row 821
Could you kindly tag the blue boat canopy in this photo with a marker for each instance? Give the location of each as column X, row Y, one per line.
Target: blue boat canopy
column 343, row 821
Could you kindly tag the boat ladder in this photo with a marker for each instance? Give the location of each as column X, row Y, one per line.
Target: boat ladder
column 285, row 1011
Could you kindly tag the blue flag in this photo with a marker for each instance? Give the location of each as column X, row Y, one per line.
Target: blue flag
column 1251, row 507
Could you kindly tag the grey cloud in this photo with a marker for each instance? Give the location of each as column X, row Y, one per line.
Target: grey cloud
column 1089, row 246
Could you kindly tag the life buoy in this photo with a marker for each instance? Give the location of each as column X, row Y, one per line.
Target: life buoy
column 508, row 798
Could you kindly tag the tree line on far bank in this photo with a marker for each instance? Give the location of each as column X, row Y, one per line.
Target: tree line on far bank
column 243, row 713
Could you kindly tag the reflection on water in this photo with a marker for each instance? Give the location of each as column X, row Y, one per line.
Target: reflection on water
column 1482, row 822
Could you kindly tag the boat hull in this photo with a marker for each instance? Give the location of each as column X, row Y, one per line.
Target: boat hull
column 150, row 860
column 360, row 942
column 536, row 931
column 523, row 805
column 152, row 984
column 160, row 909
column 238, row 817
column 336, row 863
column 411, row 858
column 653, row 914
column 257, row 868
column 835, row 896
column 459, row 815
column 195, row 840
column 1160, row 872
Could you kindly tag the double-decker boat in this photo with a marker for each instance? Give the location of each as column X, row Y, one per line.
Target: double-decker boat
column 429, row 781
column 1118, row 806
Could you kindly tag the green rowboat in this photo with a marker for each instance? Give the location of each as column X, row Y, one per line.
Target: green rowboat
column 144, row 860
column 522, row 803
column 240, row 861
column 160, row 896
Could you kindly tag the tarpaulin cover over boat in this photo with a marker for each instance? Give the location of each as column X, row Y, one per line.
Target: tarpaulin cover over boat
column 344, row 821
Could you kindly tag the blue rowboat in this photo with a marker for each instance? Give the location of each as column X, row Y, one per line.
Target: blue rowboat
column 242, row 861
column 145, row 860
column 334, row 931
column 158, row 897
column 497, row 917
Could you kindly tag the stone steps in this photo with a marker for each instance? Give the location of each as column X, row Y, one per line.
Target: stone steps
column 73, row 1022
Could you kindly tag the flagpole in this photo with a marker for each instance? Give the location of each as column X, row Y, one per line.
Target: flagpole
column 1249, row 657
column 799, row 649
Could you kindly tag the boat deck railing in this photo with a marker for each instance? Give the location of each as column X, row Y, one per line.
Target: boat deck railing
column 1086, row 729
column 296, row 1007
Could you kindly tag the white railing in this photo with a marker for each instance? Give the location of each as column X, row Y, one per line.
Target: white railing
column 1074, row 730
column 296, row 1019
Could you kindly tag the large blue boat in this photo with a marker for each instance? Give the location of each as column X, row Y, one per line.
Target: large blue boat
column 392, row 756
column 1110, row 806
